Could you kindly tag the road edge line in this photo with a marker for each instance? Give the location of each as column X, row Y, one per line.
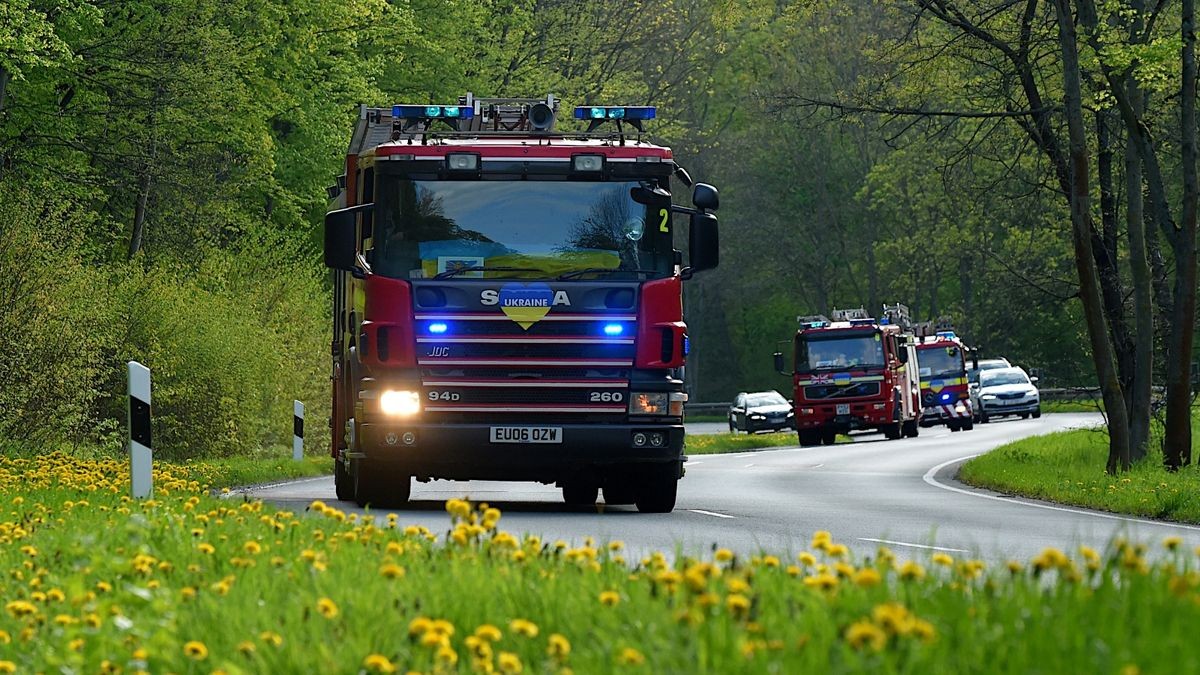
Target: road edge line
column 930, row 478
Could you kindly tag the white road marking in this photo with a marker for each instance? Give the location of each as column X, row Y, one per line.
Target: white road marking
column 929, row 478
column 902, row 543
column 817, row 466
column 691, row 463
column 710, row 513
column 238, row 491
column 748, row 465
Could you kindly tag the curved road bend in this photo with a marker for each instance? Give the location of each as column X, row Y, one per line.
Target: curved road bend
column 901, row 493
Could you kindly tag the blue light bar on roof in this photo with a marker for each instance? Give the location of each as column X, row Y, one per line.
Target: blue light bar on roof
column 433, row 112
column 615, row 112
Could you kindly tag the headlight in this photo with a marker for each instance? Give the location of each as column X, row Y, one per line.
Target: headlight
column 806, row 411
column 400, row 403
column 988, row 397
column 756, row 416
column 649, row 403
column 791, row 413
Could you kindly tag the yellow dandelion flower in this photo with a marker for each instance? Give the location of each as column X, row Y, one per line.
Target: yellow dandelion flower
column 793, row 570
column 738, row 604
column 509, row 663
column 271, row 637
column 252, row 547
column 391, row 571
column 825, row 581
column 523, row 627
column 723, row 555
column 911, row 571
column 807, row 559
column 558, row 646
column 630, row 657
column 1172, row 543
column 865, row 635
column 488, row 632
column 8, row 667
column 770, row 561
column 246, row 647
column 923, row 630
column 942, row 559
column 378, row 663
column 206, row 548
column 418, row 626
column 446, row 654
column 195, row 650
column 328, row 608
column 867, row 577
column 609, row 598
column 1015, row 566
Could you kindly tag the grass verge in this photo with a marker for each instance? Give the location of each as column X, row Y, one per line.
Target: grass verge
column 238, row 471
column 1068, row 467
column 712, row 444
column 94, row 582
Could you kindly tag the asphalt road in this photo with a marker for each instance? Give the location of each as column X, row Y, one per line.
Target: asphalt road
column 873, row 491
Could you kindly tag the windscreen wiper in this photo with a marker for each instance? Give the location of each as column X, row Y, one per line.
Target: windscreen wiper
column 575, row 274
column 483, row 268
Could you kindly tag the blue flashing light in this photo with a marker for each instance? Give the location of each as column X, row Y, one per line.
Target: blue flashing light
column 613, row 329
column 687, row 345
column 947, row 397
column 438, row 328
column 615, row 112
column 432, row 112
column 946, row 334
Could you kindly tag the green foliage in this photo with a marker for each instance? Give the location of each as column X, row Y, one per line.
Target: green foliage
column 1067, row 467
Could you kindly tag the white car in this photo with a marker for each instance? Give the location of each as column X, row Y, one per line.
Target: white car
column 1008, row 391
column 973, row 370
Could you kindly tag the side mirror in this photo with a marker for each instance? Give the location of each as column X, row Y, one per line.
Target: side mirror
column 779, row 364
column 703, row 242
column 341, row 239
column 704, row 196
column 645, row 195
column 1034, row 379
column 902, row 355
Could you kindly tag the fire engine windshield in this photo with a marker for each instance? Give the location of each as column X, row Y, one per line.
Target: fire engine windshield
column 940, row 362
column 527, row 229
column 839, row 350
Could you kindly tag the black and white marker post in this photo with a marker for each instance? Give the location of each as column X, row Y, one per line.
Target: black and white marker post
column 139, row 430
column 297, row 430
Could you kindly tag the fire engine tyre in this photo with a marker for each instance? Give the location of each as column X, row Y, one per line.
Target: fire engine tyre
column 893, row 431
column 343, row 482
column 379, row 487
column 829, row 437
column 579, row 493
column 967, row 424
column 953, row 425
column 657, row 487
column 809, row 438
column 911, row 429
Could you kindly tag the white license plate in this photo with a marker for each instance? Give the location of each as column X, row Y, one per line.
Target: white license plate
column 843, row 408
column 526, row 435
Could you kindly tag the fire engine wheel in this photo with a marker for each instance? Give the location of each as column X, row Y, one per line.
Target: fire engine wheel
column 343, row 482
column 967, row 424
column 829, row 437
column 657, row 487
column 580, row 493
column 810, row 438
column 379, row 487
column 893, row 431
column 910, row 429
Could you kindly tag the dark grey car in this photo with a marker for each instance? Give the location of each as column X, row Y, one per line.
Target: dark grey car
column 761, row 411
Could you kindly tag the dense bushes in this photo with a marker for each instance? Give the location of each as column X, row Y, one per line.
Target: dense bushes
column 230, row 342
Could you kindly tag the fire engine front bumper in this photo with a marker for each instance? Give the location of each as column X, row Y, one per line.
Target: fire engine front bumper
column 466, row 451
column 861, row 416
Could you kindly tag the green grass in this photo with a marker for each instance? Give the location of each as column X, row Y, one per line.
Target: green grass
column 188, row 583
column 239, row 471
column 1071, row 406
column 712, row 444
column 1068, row 467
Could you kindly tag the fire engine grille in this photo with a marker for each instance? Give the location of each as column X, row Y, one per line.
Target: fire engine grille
column 559, row 371
column 832, row 391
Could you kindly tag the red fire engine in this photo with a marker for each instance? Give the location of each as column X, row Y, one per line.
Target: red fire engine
column 854, row 372
column 943, row 370
column 508, row 302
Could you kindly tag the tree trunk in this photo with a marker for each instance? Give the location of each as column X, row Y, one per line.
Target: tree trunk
column 1177, row 441
column 1143, row 308
column 1104, row 249
column 1081, row 230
